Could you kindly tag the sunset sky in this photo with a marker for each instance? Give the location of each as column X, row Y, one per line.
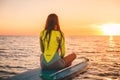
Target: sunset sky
column 76, row 17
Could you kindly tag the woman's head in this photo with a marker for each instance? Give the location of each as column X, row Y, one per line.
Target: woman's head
column 52, row 22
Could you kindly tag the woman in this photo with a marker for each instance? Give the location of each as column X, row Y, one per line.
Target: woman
column 52, row 44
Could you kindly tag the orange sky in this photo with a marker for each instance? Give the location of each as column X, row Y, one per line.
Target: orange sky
column 77, row 17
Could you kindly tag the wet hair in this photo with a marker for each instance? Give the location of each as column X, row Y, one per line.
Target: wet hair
column 52, row 22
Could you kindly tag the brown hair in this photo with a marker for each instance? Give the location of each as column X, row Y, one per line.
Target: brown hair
column 52, row 22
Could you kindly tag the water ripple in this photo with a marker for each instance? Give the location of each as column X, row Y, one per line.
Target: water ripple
column 19, row 53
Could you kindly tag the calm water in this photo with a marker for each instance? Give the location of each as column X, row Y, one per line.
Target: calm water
column 19, row 54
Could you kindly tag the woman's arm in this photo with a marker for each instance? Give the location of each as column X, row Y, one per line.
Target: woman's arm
column 41, row 45
column 63, row 48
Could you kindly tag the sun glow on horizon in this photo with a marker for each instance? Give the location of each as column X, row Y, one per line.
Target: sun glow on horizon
column 110, row 29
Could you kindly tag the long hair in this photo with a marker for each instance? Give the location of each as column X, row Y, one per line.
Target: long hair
column 52, row 22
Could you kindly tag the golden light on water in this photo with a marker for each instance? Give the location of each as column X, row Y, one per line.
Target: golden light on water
column 110, row 29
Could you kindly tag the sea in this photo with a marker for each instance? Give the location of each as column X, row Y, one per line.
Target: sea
column 21, row 53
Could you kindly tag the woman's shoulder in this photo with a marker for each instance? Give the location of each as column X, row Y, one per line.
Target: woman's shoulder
column 42, row 32
column 56, row 32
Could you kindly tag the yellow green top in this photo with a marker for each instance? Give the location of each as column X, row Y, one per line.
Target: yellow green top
column 51, row 50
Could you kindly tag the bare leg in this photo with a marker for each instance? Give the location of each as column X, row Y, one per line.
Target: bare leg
column 68, row 59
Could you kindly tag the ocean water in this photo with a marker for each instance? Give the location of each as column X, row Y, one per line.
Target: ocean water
column 21, row 53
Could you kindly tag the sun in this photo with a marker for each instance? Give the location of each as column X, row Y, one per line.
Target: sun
column 110, row 29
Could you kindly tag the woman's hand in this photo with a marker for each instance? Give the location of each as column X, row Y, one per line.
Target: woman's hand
column 58, row 40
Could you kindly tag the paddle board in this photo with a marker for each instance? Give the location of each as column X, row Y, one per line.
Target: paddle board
column 66, row 73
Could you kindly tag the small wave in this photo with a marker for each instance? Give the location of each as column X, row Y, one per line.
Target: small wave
column 7, row 72
column 21, row 49
column 2, row 78
column 109, row 74
column 112, row 50
column 90, row 52
column 7, row 66
column 2, row 51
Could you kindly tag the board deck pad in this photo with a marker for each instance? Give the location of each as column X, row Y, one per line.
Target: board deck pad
column 78, row 66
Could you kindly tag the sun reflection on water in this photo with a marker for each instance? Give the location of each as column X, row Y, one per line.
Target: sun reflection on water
column 111, row 42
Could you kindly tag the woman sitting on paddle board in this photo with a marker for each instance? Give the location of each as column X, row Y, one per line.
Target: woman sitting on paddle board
column 52, row 44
